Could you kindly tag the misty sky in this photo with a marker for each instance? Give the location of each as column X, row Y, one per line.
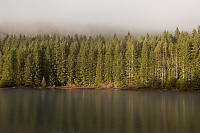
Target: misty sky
column 140, row 14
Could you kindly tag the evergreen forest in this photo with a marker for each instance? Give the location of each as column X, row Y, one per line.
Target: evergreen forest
column 163, row 61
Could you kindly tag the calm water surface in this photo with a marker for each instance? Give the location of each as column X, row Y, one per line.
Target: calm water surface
column 98, row 111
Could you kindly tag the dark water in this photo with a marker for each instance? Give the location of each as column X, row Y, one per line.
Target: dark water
column 98, row 111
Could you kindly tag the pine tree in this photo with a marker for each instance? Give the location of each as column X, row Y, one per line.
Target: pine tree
column 1, row 65
column 37, row 68
column 119, row 64
column 108, row 69
column 20, row 65
column 9, row 70
column 61, row 55
column 144, row 67
column 71, row 62
column 131, row 61
column 100, row 64
column 92, row 57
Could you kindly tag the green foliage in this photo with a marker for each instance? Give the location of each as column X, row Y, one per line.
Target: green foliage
column 5, row 83
column 43, row 83
column 154, row 83
column 100, row 64
column 171, row 83
column 180, row 84
column 144, row 66
column 165, row 61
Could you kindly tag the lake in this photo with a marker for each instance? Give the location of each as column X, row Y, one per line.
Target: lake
column 98, row 111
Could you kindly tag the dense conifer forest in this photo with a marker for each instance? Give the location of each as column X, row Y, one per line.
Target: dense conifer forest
column 157, row 61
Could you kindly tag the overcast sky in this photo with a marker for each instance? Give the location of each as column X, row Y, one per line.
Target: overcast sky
column 139, row 14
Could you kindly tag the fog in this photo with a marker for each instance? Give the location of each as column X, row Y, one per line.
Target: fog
column 98, row 16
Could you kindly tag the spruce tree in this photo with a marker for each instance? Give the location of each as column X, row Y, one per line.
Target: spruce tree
column 108, row 69
column 92, row 57
column 131, row 61
column 100, row 64
column 144, row 67
column 71, row 62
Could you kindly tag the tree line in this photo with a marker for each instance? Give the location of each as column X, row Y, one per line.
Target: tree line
column 155, row 61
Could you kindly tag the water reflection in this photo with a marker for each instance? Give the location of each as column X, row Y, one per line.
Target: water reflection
column 98, row 111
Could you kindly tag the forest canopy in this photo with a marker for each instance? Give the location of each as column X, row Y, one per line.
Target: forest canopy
column 154, row 61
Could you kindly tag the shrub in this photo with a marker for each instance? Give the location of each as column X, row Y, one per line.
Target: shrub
column 171, row 83
column 180, row 84
column 195, row 83
column 43, row 84
column 28, row 83
column 5, row 83
column 154, row 83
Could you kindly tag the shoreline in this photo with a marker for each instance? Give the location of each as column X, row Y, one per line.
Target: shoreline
column 111, row 89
